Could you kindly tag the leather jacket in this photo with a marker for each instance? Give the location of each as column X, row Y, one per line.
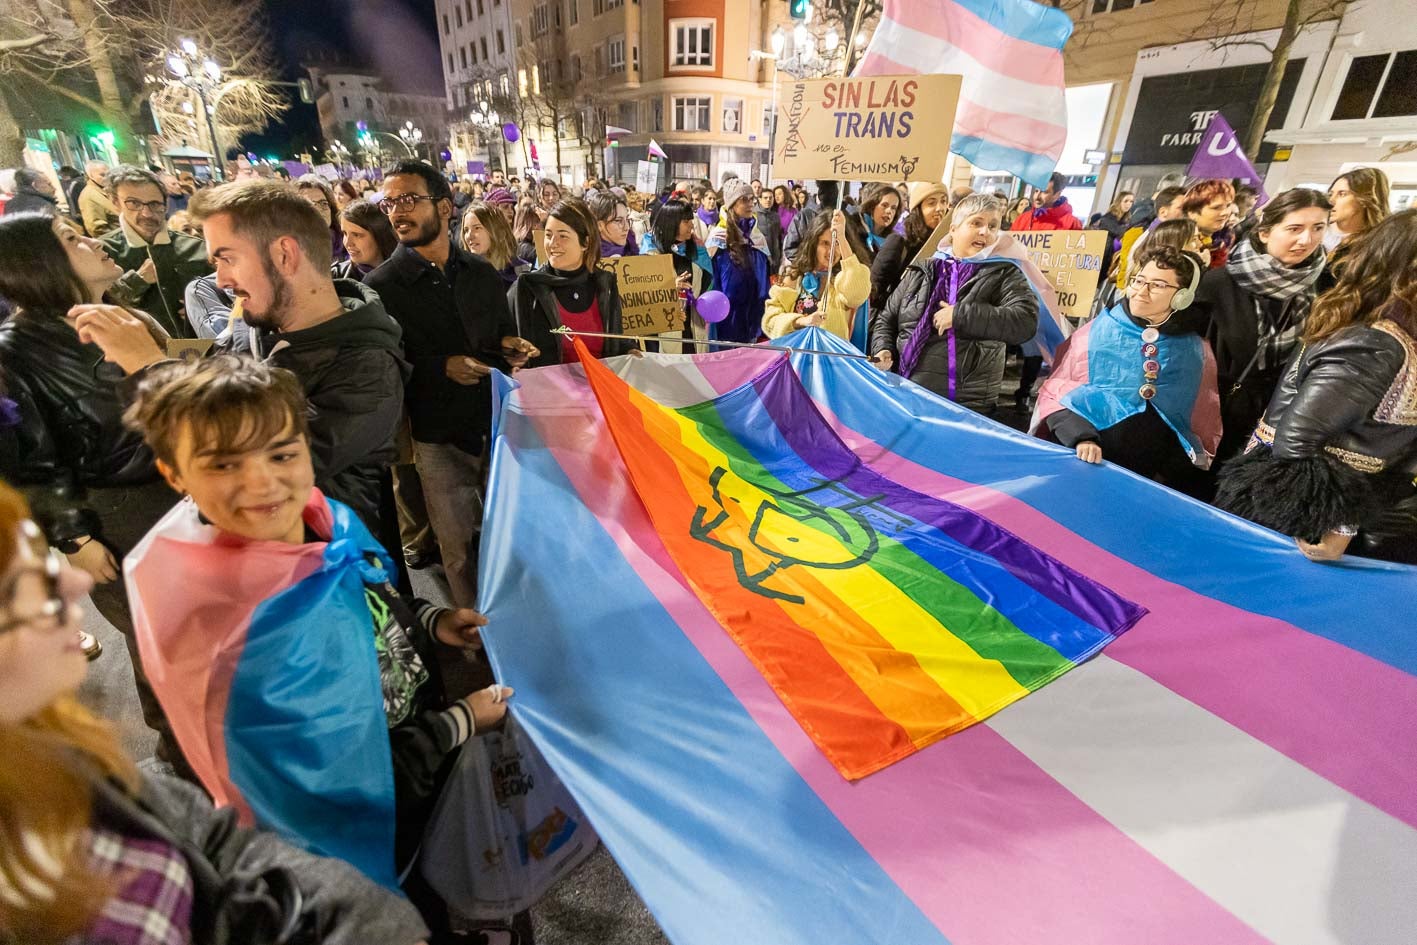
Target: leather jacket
column 1353, row 394
column 70, row 434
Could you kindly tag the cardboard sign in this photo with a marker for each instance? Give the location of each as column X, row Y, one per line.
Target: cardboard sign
column 646, row 177
column 649, row 295
column 188, row 349
column 327, row 171
column 1072, row 261
column 538, row 238
column 887, row 128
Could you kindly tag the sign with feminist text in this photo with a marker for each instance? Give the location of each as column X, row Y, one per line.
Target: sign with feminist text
column 1072, row 261
column 649, row 296
column 881, row 128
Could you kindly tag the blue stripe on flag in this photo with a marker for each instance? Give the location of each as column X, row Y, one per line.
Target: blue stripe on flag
column 1184, row 541
column 702, row 812
column 1022, row 19
column 991, row 156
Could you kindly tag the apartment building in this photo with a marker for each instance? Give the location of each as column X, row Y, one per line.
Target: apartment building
column 345, row 97
column 478, row 51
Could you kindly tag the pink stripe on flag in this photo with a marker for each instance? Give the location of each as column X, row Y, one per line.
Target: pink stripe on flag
column 1006, row 853
column 1356, row 717
column 989, row 46
column 1016, row 131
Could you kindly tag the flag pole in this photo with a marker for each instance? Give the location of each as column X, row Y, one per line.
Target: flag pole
column 563, row 330
column 841, row 185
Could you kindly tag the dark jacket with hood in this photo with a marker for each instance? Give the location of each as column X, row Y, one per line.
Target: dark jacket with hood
column 178, row 261
column 533, row 303
column 29, row 200
column 353, row 374
column 995, row 308
column 68, row 434
column 249, row 886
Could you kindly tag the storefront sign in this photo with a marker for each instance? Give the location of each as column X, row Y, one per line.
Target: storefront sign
column 1173, row 111
column 649, row 296
column 882, row 128
column 1072, row 261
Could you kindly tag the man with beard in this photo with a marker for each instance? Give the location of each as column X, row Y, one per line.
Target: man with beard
column 157, row 262
column 457, row 327
column 271, row 250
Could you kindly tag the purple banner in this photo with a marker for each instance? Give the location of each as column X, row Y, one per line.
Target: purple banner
column 1219, row 155
column 295, row 168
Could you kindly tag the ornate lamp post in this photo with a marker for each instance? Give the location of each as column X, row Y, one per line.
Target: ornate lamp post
column 202, row 75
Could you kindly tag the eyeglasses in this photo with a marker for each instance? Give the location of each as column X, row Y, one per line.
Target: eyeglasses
column 620, row 221
column 402, row 202
column 152, row 206
column 51, row 612
column 321, row 203
column 1138, row 284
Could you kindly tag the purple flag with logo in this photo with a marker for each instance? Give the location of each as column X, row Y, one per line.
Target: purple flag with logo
column 1219, row 155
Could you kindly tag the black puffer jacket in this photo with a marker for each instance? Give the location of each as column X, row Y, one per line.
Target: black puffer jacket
column 353, row 374
column 996, row 308
column 1338, row 442
column 533, row 302
column 70, row 435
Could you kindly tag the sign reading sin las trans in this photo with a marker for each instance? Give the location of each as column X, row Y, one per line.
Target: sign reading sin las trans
column 890, row 128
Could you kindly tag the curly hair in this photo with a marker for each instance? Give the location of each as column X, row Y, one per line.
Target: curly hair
column 1379, row 281
column 1203, row 192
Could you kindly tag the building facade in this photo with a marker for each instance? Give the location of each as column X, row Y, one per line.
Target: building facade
column 345, row 98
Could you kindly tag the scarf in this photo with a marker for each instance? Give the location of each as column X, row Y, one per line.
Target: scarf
column 707, row 217
column 1261, row 274
column 948, row 275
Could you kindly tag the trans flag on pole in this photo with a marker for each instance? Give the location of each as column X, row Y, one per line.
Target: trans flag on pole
column 1012, row 112
column 1239, row 767
column 262, row 655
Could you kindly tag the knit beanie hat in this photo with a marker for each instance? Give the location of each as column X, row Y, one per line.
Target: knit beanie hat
column 500, row 195
column 735, row 190
column 923, row 189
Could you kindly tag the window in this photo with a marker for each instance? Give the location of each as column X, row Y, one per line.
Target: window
column 656, row 114
column 473, row 47
column 692, row 44
column 346, row 101
column 462, row 56
column 556, row 15
column 767, row 121
column 504, row 82
column 519, row 34
column 575, row 68
column 575, row 11
column 629, row 116
column 450, row 62
column 458, row 12
column 540, row 20
column 635, row 57
column 691, row 113
column 446, row 28
column 501, row 43
column 521, row 81
column 599, row 62
column 1115, row 6
column 369, row 104
column 483, row 41
column 467, row 4
column 615, row 54
column 1382, row 86
column 688, row 170
column 600, row 6
column 732, row 115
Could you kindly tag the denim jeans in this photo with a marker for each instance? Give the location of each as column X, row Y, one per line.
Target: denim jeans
column 453, row 482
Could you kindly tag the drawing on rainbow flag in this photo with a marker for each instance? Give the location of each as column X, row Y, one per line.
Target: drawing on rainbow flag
column 639, row 571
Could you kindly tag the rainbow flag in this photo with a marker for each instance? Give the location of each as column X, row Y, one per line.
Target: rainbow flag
column 262, row 655
column 885, row 619
column 1238, row 768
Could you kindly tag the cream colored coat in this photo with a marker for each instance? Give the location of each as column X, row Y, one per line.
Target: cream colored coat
column 850, row 287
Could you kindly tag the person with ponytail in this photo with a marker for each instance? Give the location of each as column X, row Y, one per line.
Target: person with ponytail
column 740, row 264
column 92, row 850
column 1332, row 461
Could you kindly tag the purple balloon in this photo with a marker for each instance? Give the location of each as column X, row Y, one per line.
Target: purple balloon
column 510, row 132
column 713, row 306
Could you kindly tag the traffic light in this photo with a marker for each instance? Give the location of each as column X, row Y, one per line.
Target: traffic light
column 797, row 9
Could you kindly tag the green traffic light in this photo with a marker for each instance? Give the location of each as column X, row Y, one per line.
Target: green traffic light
column 797, row 9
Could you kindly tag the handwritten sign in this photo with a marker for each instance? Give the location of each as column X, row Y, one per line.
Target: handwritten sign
column 1072, row 261
column 890, row 128
column 646, row 177
column 649, row 296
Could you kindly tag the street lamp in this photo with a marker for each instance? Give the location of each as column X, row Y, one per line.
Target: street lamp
column 778, row 39
column 412, row 137
column 203, row 76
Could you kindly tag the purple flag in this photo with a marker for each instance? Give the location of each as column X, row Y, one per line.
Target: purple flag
column 1219, row 155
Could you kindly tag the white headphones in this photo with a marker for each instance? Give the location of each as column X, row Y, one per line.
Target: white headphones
column 1184, row 297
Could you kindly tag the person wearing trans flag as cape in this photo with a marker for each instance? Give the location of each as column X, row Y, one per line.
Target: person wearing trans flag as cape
column 1136, row 385
column 948, row 322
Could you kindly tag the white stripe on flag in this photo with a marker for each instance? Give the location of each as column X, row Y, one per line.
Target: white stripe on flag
column 930, row 54
column 1297, row 858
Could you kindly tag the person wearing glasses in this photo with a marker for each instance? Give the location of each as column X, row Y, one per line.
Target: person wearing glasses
column 91, row 482
column 1136, row 385
column 612, row 219
column 457, row 328
column 157, row 262
column 99, row 851
column 317, row 191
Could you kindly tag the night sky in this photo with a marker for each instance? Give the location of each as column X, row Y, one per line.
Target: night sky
column 398, row 38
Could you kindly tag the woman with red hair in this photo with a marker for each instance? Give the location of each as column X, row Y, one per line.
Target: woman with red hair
column 1208, row 204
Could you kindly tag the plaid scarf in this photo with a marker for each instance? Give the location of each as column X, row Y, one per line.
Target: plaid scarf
column 1263, row 276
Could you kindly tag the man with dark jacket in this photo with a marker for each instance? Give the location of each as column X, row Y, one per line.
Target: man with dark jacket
column 272, row 252
column 34, row 193
column 827, row 192
column 1055, row 213
column 457, row 327
column 157, row 262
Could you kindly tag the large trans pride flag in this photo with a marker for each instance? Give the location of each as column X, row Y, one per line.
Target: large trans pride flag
column 1238, row 767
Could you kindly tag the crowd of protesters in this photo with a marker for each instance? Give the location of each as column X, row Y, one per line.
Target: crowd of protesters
column 1263, row 358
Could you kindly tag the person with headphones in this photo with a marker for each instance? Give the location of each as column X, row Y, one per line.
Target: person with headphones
column 1137, row 384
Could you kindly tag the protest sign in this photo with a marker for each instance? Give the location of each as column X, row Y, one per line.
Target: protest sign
column 646, row 177
column 327, row 171
column 889, row 128
column 538, row 238
column 1072, row 261
column 649, row 296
